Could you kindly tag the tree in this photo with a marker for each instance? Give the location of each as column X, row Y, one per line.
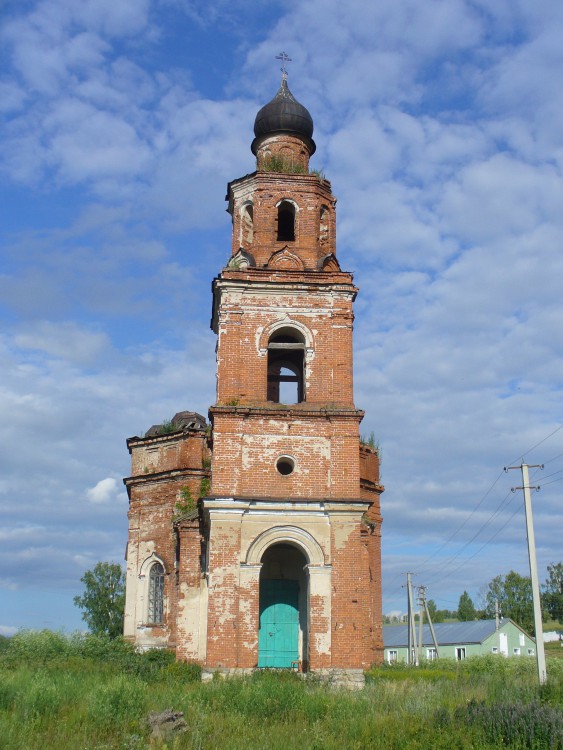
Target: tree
column 436, row 615
column 552, row 597
column 514, row 594
column 466, row 609
column 103, row 600
column 431, row 606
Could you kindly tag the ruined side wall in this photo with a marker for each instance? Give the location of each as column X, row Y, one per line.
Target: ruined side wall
column 163, row 467
column 371, row 489
column 192, row 597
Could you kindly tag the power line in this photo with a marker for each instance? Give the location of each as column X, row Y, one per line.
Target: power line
column 482, row 547
column 459, row 528
column 552, row 459
column 436, row 575
column 503, row 504
column 472, row 513
column 544, row 484
column 552, row 474
column 456, row 555
column 551, row 434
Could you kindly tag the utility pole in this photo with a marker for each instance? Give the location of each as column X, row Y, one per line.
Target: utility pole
column 497, row 622
column 421, row 608
column 431, row 626
column 411, row 633
column 424, row 606
column 540, row 653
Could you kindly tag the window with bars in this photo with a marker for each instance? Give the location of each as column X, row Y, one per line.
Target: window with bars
column 156, row 594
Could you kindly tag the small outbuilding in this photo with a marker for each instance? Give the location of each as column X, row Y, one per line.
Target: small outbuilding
column 459, row 640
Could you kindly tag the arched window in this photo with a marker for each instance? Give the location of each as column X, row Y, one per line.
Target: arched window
column 286, row 367
column 286, row 221
column 156, row 594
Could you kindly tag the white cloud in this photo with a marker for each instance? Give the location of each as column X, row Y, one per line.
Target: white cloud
column 87, row 144
column 65, row 340
column 501, row 196
column 104, row 492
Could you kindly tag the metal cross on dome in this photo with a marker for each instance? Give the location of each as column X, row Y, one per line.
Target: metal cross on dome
column 284, row 57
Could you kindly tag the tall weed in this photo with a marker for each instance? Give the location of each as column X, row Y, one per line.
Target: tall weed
column 122, row 700
column 533, row 726
column 90, row 693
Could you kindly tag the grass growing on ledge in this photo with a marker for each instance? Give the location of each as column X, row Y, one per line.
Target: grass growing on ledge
column 281, row 165
column 87, row 693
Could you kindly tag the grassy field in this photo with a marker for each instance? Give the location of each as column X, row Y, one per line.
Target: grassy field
column 87, row 693
column 553, row 650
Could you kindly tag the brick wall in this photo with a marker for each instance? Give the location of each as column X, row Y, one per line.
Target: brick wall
column 162, row 467
column 249, row 305
column 315, row 216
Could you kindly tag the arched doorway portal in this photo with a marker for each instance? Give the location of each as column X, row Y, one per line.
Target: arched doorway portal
column 283, row 628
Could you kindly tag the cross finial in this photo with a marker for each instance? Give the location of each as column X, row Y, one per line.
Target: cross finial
column 284, row 57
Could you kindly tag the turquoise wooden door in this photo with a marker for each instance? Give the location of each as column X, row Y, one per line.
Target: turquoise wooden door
column 278, row 638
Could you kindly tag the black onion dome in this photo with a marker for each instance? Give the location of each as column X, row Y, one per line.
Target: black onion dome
column 283, row 114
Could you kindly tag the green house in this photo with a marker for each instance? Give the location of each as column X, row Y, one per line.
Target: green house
column 459, row 640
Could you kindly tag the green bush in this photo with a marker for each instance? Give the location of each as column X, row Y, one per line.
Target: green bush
column 51, row 649
column 36, row 647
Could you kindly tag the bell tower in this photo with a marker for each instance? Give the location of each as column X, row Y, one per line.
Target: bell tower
column 256, row 543
column 292, row 518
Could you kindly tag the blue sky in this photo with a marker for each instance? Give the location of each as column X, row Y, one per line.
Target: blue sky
column 439, row 125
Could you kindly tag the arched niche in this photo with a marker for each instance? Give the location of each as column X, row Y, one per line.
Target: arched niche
column 324, row 225
column 247, row 223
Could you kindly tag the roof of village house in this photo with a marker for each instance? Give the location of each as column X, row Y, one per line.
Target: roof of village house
column 283, row 114
column 447, row 633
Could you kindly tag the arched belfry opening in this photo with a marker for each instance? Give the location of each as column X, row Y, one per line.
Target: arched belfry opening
column 286, row 222
column 286, row 366
column 283, row 619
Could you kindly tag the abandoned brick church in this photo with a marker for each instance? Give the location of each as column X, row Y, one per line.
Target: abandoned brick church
column 254, row 541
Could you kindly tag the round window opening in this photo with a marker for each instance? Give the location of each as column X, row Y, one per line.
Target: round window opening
column 285, row 465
